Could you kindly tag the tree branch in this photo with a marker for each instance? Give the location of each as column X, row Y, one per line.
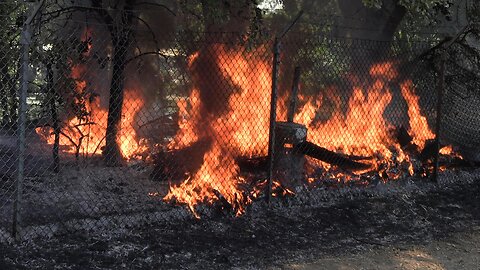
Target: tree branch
column 158, row 5
column 150, row 30
column 143, row 54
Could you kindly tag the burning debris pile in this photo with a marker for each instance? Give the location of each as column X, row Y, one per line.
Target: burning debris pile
column 233, row 129
column 223, row 141
column 219, row 153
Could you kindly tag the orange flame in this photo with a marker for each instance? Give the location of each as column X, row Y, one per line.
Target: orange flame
column 218, row 175
column 362, row 130
column 85, row 135
column 242, row 130
column 418, row 123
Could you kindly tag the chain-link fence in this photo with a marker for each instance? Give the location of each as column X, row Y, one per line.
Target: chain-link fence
column 123, row 128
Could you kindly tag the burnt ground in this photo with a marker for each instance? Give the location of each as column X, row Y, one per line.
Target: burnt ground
column 262, row 239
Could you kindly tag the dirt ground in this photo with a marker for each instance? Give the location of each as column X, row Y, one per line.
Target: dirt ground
column 438, row 229
column 459, row 251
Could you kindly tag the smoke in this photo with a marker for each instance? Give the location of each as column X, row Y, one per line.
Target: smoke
column 215, row 89
column 155, row 28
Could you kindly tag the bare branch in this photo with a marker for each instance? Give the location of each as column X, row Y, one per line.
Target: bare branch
column 143, row 54
column 98, row 146
column 158, row 5
column 69, row 139
column 150, row 30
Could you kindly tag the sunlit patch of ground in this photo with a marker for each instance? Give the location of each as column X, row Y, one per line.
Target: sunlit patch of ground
column 460, row 251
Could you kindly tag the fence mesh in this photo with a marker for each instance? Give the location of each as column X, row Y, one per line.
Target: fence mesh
column 125, row 129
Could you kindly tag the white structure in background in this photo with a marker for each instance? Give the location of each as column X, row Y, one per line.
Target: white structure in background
column 271, row 6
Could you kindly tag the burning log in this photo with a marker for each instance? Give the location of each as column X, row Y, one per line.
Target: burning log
column 291, row 147
column 428, row 151
column 343, row 161
column 416, row 162
column 421, row 159
column 403, row 138
column 223, row 203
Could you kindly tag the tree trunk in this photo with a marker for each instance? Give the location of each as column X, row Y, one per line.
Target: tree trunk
column 121, row 38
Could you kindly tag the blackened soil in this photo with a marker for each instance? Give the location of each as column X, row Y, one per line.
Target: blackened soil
column 262, row 241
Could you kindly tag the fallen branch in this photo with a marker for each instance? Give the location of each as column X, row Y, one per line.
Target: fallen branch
column 325, row 155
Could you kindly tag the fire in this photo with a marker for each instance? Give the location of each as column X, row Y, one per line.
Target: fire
column 129, row 144
column 241, row 129
column 86, row 136
column 418, row 123
column 228, row 108
column 218, row 177
column 187, row 133
column 449, row 151
column 84, row 133
column 362, row 130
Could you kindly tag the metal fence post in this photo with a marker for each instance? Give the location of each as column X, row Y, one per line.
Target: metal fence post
column 441, row 93
column 438, row 126
column 273, row 116
column 22, row 116
column 273, row 103
column 25, row 40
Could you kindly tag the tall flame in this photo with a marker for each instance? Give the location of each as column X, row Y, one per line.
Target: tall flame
column 362, row 130
column 239, row 131
column 418, row 123
column 242, row 130
column 236, row 125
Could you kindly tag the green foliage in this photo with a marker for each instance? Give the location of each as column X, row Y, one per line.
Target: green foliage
column 417, row 7
column 420, row 13
column 11, row 14
column 424, row 21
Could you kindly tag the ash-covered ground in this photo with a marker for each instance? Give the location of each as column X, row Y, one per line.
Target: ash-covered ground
column 292, row 231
